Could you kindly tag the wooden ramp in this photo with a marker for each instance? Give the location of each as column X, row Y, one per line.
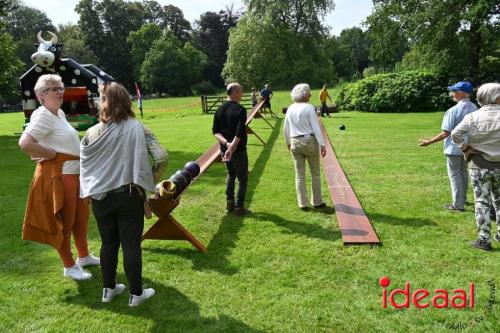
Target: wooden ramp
column 353, row 222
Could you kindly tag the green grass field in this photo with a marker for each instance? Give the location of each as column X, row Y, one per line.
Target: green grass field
column 280, row 269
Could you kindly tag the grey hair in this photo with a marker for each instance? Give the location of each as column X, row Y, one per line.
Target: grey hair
column 44, row 81
column 488, row 93
column 232, row 87
column 300, row 91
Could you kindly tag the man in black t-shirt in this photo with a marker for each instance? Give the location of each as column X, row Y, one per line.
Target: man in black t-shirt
column 230, row 130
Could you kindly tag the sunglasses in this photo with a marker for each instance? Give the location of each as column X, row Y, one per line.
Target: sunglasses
column 55, row 89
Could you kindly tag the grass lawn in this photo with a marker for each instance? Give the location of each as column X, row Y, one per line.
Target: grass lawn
column 280, row 269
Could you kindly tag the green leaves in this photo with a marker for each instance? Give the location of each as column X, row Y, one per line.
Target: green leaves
column 415, row 91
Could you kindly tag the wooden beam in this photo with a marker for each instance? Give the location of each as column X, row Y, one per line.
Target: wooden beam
column 353, row 222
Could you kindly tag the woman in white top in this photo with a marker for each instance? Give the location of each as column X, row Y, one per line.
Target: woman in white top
column 48, row 134
column 305, row 141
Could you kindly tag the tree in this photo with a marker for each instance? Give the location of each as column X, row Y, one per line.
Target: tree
column 172, row 68
column 106, row 26
column 141, row 42
column 10, row 65
column 462, row 29
column 175, row 21
column 303, row 16
column 260, row 52
column 167, row 17
column 211, row 36
column 389, row 41
column 350, row 52
column 74, row 44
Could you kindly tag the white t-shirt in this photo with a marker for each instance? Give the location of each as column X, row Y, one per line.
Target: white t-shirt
column 56, row 133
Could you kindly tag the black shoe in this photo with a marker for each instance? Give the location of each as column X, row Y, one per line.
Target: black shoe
column 481, row 244
column 230, row 205
column 240, row 211
column 305, row 209
column 453, row 208
column 323, row 205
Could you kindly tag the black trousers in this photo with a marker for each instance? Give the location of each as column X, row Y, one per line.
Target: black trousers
column 324, row 109
column 237, row 167
column 120, row 218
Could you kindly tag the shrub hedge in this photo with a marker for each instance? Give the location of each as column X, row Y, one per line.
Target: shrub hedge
column 414, row 91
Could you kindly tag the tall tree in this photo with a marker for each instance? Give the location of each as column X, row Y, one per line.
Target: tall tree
column 74, row 44
column 389, row 40
column 175, row 21
column 260, row 52
column 141, row 41
column 211, row 36
column 106, row 26
column 350, row 52
column 170, row 67
column 298, row 15
column 282, row 41
column 10, row 65
column 460, row 28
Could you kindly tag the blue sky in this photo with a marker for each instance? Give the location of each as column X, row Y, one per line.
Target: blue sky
column 347, row 13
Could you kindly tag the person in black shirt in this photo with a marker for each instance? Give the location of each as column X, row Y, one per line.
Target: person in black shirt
column 230, row 130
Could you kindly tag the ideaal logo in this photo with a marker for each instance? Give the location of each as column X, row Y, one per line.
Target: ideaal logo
column 460, row 298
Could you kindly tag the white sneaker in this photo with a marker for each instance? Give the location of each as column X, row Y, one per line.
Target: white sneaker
column 89, row 260
column 136, row 300
column 77, row 273
column 108, row 293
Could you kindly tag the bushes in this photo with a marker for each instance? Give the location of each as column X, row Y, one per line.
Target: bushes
column 203, row 88
column 415, row 91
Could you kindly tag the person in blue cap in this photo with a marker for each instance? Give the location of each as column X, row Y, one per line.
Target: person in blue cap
column 456, row 164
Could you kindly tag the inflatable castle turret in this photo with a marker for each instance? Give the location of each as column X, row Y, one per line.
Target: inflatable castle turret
column 81, row 96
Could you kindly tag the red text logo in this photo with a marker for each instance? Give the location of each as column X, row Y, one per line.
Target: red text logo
column 422, row 298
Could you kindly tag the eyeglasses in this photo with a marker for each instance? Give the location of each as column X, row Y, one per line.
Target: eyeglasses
column 55, row 89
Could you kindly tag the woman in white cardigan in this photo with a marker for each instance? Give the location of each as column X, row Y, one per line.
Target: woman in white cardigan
column 115, row 171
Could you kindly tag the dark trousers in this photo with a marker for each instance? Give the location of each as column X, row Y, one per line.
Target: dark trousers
column 237, row 167
column 324, row 109
column 120, row 218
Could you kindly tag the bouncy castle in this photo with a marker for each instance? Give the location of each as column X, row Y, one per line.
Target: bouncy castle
column 81, row 97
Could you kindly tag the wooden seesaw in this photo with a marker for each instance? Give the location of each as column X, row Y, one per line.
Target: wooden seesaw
column 167, row 227
column 353, row 222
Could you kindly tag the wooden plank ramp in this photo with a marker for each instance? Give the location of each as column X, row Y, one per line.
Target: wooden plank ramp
column 353, row 222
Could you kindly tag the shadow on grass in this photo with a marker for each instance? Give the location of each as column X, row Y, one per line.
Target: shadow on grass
column 296, row 227
column 411, row 222
column 169, row 310
column 224, row 240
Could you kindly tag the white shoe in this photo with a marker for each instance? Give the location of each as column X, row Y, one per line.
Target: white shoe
column 77, row 273
column 89, row 260
column 136, row 300
column 108, row 293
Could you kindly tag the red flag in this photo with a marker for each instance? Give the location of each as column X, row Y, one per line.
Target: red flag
column 139, row 97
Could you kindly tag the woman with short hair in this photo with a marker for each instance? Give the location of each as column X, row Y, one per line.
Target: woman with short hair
column 479, row 137
column 115, row 172
column 305, row 141
column 54, row 210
